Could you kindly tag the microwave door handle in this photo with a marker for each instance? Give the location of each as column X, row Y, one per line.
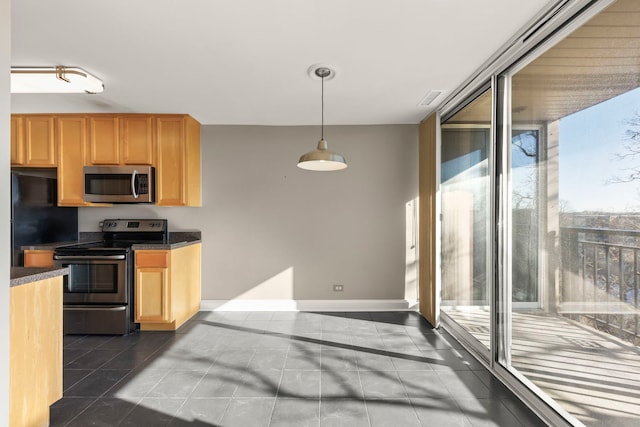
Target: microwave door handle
column 133, row 184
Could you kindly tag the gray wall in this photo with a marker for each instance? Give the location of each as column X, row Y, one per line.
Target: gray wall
column 273, row 231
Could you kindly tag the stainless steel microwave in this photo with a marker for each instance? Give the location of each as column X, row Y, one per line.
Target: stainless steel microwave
column 119, row 184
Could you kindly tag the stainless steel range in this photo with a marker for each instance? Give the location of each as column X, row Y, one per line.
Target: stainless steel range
column 98, row 291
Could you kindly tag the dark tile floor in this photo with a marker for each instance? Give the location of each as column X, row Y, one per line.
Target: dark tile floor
column 283, row 369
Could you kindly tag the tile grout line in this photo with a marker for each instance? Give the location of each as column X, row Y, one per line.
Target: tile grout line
column 320, row 388
column 364, row 399
column 275, row 400
column 193, row 389
column 79, row 413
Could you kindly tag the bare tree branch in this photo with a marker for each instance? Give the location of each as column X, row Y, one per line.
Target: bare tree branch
column 631, row 152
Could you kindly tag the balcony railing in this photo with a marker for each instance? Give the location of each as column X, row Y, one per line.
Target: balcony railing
column 599, row 282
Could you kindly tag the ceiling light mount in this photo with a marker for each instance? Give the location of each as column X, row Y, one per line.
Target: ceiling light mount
column 321, row 159
column 321, row 71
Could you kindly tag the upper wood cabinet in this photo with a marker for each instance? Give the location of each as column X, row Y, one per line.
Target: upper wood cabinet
column 137, row 140
column 32, row 141
column 170, row 143
column 104, row 140
column 17, row 140
column 178, row 161
column 72, row 138
column 120, row 140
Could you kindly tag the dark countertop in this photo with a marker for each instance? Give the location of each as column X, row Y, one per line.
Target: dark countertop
column 177, row 239
column 171, row 244
column 49, row 246
column 24, row 275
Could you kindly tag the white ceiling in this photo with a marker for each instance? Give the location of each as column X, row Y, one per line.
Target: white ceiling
column 246, row 61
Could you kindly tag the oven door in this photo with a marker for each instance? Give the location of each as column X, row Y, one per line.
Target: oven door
column 99, row 279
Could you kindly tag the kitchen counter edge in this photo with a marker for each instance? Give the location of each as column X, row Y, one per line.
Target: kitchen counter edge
column 164, row 246
column 24, row 275
column 177, row 239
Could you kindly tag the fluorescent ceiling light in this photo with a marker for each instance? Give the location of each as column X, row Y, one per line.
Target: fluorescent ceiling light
column 53, row 80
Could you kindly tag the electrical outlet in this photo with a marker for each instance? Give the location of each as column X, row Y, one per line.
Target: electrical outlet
column 338, row 288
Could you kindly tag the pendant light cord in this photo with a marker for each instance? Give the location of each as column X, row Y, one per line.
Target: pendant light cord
column 322, row 101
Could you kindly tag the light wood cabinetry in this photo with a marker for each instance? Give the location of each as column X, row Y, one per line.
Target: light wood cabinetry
column 137, row 140
column 38, row 258
column 72, row 137
column 33, row 142
column 170, row 143
column 167, row 287
column 17, row 140
column 104, row 140
column 122, row 139
column 152, row 292
column 40, row 147
column 35, row 351
column 178, row 161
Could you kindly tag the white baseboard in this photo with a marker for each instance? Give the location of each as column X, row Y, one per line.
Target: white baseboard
column 307, row 305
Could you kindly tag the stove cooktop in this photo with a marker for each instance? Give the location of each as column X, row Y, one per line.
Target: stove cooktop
column 120, row 234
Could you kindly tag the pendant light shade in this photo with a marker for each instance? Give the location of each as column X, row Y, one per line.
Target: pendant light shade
column 321, row 159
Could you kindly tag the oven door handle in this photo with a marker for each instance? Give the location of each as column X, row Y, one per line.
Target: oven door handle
column 94, row 308
column 87, row 258
column 133, row 184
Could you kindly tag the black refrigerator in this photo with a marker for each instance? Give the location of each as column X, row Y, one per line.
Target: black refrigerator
column 35, row 216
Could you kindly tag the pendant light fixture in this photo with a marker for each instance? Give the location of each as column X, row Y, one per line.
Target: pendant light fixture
column 321, row 159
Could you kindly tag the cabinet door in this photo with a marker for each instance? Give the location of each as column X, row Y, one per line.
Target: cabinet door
column 17, row 140
column 104, row 140
column 40, row 149
column 152, row 287
column 192, row 146
column 152, row 295
column 137, row 140
column 170, row 169
column 72, row 137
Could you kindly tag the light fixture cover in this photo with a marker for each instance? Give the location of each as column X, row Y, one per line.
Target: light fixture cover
column 321, row 159
column 53, row 80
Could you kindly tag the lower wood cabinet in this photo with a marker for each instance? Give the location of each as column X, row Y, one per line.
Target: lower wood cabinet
column 38, row 258
column 167, row 287
column 35, row 351
column 152, row 291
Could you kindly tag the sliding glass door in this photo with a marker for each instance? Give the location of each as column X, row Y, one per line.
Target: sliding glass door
column 540, row 203
column 575, row 219
column 465, row 189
